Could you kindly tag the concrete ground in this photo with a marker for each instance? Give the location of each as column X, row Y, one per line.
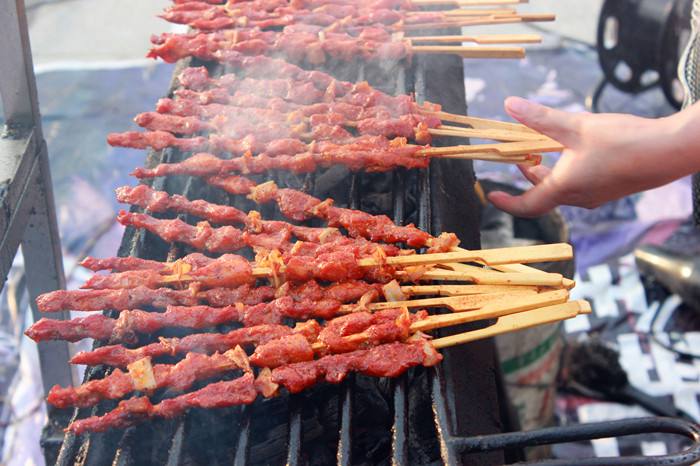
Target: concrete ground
column 70, row 31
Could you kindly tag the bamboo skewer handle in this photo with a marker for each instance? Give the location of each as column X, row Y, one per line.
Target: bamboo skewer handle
column 456, row 21
column 482, row 123
column 471, row 52
column 492, row 310
column 483, row 39
column 539, row 17
column 453, row 303
column 462, row 290
column 514, row 255
column 505, row 148
column 530, row 159
column 491, row 278
column 462, row 22
column 514, row 268
column 519, row 321
column 462, row 12
column 496, row 134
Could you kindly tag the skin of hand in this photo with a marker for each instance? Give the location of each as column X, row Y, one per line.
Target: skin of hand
column 606, row 156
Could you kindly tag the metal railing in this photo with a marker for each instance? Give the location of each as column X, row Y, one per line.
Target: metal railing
column 27, row 212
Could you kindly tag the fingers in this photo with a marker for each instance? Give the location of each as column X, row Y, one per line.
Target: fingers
column 533, row 203
column 561, row 126
column 535, row 174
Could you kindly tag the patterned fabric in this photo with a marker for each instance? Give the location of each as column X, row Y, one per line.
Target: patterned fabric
column 689, row 67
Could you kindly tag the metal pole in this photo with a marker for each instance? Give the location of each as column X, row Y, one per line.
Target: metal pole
column 28, row 213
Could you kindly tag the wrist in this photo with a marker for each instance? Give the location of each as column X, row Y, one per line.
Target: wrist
column 681, row 135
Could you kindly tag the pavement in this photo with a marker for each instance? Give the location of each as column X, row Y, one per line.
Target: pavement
column 78, row 31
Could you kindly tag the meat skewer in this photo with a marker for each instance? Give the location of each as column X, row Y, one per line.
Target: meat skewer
column 98, row 300
column 355, row 19
column 311, row 45
column 206, row 343
column 387, row 360
column 240, row 122
column 304, row 90
column 160, row 201
column 294, row 84
column 335, row 264
column 394, row 4
column 493, row 306
column 226, row 239
column 133, row 322
column 340, row 335
column 370, row 120
column 300, row 206
column 265, row 15
column 197, row 366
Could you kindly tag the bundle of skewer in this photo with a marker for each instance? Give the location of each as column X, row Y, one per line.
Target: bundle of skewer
column 298, row 120
column 331, row 26
column 366, row 321
column 372, row 336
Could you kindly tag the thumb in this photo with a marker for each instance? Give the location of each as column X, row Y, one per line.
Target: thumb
column 556, row 124
column 535, row 202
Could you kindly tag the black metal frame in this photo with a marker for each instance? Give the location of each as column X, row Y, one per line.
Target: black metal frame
column 596, row 430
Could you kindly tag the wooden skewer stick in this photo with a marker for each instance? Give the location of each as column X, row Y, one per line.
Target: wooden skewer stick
column 483, row 39
column 466, row 2
column 485, row 277
column 519, row 321
column 513, row 255
column 461, row 290
column 540, row 253
column 453, row 303
column 463, row 22
column 513, row 268
column 472, row 12
column 492, row 310
column 482, row 123
column 505, row 148
column 471, row 52
column 530, row 159
column 496, row 134
column 480, row 21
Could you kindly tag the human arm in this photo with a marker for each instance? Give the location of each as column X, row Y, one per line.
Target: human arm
column 606, row 156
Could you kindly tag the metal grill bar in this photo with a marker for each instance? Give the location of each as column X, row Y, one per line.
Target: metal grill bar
column 295, row 437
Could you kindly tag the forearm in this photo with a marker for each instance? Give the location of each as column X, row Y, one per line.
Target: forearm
column 684, row 137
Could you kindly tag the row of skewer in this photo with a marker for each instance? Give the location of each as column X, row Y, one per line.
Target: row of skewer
column 365, row 20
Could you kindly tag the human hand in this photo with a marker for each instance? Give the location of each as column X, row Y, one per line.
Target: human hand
column 606, row 156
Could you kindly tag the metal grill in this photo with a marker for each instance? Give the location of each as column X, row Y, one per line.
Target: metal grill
column 334, row 424
column 427, row 416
